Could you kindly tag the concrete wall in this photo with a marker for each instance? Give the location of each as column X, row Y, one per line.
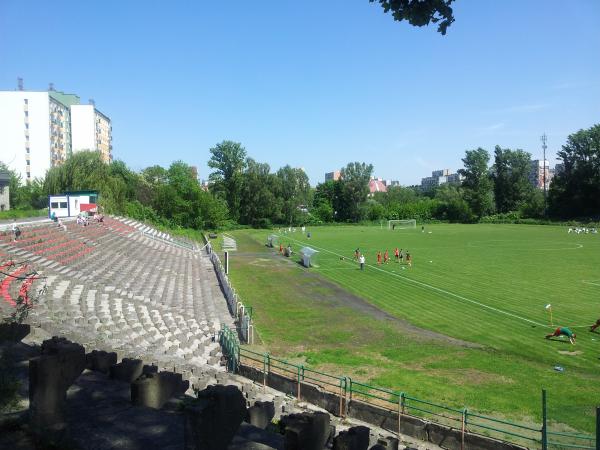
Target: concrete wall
column 440, row 435
column 13, row 130
column 83, row 128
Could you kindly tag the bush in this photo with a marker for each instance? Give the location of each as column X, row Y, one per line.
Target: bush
column 263, row 223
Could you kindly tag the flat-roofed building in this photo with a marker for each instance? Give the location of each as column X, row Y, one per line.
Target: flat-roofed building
column 439, row 177
column 333, row 176
column 38, row 130
column 91, row 131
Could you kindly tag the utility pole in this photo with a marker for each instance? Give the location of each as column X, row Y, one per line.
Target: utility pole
column 544, row 147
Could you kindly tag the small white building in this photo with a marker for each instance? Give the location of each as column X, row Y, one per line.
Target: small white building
column 71, row 204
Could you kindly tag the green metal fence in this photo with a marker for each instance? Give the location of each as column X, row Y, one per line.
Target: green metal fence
column 406, row 405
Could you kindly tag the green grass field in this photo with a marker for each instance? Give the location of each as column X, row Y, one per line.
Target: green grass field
column 479, row 284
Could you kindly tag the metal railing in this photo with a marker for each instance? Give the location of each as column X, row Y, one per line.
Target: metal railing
column 408, row 406
column 241, row 312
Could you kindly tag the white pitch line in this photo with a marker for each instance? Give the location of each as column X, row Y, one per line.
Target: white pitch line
column 590, row 282
column 429, row 286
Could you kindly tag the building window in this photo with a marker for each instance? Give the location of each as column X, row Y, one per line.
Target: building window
column 26, row 101
column 63, row 205
column 28, row 162
column 26, row 113
column 26, row 126
column 53, row 204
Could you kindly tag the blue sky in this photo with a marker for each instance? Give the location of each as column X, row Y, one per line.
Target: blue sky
column 314, row 84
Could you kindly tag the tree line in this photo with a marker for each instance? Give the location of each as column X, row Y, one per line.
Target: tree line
column 243, row 191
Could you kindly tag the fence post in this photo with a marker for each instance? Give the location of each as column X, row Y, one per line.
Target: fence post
column 298, row 376
column 463, row 428
column 400, row 397
column 265, row 370
column 403, row 399
column 341, row 401
column 544, row 422
column 346, row 406
column 597, row 427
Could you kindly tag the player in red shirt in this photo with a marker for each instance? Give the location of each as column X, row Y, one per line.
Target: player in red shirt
column 386, row 257
column 397, row 254
column 378, row 257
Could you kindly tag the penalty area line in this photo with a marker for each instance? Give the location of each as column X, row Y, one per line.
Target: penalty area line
column 434, row 288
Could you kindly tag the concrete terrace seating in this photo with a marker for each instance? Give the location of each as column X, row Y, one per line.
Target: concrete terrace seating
column 152, row 232
column 119, row 290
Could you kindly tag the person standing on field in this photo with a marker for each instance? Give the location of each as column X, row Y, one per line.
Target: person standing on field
column 386, row 257
column 361, row 260
column 408, row 259
column 397, row 254
column 378, row 257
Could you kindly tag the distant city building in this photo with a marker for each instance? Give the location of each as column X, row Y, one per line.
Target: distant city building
column 39, row 130
column 333, row 176
column 390, row 183
column 376, row 185
column 539, row 168
column 4, row 191
column 439, row 177
column 194, row 171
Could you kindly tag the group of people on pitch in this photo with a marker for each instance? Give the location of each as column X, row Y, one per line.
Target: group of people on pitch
column 565, row 331
column 384, row 258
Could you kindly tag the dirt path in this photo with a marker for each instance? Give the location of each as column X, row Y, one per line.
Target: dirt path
column 320, row 289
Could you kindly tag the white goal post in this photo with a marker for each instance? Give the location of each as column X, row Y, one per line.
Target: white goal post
column 401, row 224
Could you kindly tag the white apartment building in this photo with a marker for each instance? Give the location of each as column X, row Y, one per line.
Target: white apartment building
column 439, row 177
column 91, row 130
column 37, row 131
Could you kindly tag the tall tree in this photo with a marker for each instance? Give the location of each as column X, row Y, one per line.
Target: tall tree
column 510, row 174
column 354, row 182
column 258, row 202
column 420, row 12
column 478, row 189
column 229, row 160
column 576, row 191
column 293, row 190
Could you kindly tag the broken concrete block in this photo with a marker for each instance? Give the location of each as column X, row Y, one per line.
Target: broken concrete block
column 50, row 375
column 355, row 438
column 127, row 370
column 261, row 414
column 214, row 418
column 154, row 389
column 14, row 332
column 100, row 361
column 306, row 431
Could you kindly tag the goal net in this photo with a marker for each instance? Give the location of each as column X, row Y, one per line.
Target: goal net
column 402, row 224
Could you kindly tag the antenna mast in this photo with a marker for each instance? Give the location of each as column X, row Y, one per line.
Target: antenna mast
column 544, row 147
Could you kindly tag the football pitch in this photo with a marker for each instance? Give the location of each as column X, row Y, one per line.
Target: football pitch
column 479, row 294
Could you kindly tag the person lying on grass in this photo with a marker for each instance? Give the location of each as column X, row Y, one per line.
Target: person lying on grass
column 564, row 331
